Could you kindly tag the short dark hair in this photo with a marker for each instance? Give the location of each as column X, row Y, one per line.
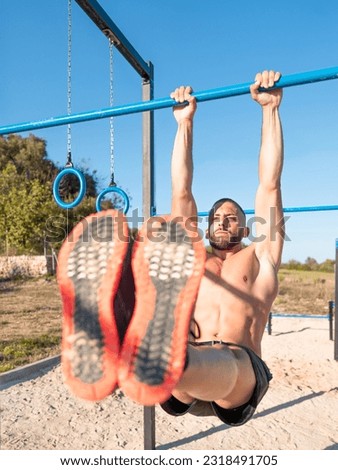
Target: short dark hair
column 219, row 203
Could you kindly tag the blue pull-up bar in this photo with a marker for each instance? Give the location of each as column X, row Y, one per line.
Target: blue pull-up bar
column 333, row 207
column 160, row 103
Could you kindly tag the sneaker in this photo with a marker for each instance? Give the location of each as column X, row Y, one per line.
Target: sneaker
column 168, row 266
column 89, row 270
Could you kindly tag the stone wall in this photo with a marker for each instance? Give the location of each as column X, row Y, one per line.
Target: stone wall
column 26, row 266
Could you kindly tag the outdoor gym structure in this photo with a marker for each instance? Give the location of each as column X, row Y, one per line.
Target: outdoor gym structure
column 146, row 71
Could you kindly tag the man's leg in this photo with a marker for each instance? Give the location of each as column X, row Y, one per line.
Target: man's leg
column 217, row 373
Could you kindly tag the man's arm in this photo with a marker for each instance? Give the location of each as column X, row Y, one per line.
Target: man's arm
column 183, row 202
column 268, row 205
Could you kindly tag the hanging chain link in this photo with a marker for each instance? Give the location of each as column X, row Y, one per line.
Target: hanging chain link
column 111, row 121
column 69, row 83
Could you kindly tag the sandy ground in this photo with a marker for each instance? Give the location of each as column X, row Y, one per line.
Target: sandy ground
column 300, row 411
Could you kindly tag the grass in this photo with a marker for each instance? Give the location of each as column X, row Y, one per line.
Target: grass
column 30, row 312
column 30, row 321
column 20, row 351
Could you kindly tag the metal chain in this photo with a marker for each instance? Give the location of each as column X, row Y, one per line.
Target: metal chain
column 111, row 121
column 69, row 81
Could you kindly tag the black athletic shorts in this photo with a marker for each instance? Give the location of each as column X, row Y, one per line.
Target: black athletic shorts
column 232, row 417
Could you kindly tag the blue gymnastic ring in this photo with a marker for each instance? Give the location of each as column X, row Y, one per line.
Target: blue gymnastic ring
column 82, row 191
column 113, row 189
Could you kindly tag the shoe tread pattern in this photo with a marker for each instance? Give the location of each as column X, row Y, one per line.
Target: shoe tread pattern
column 87, row 264
column 170, row 265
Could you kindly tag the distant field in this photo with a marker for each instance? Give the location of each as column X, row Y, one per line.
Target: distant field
column 30, row 312
column 304, row 292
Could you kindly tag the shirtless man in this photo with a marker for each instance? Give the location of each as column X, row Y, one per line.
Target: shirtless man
column 221, row 303
column 239, row 285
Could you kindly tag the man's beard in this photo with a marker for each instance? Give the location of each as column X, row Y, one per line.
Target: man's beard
column 220, row 244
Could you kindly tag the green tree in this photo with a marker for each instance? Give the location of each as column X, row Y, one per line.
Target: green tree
column 29, row 157
column 27, row 206
column 24, row 205
column 327, row 266
column 311, row 264
column 294, row 264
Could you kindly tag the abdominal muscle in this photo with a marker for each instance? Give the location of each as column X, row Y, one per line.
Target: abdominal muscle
column 228, row 308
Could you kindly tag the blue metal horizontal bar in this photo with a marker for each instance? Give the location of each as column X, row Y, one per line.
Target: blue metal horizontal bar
column 298, row 315
column 160, row 103
column 289, row 209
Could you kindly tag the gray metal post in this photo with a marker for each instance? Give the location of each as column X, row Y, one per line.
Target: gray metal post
column 148, row 209
column 149, row 427
column 270, row 324
column 335, row 307
column 331, row 307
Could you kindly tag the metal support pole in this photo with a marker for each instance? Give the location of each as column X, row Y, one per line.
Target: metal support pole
column 148, row 210
column 148, row 149
column 207, row 95
column 335, row 306
column 331, row 305
column 270, row 324
column 149, row 427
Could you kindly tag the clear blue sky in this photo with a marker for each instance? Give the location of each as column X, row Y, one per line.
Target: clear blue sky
column 205, row 44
